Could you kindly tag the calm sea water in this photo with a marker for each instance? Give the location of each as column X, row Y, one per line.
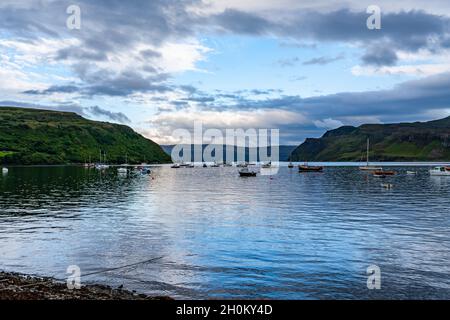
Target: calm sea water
column 292, row 236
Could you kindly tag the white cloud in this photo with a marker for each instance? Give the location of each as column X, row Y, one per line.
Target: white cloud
column 328, row 123
column 180, row 57
column 288, row 6
column 165, row 123
column 31, row 53
column 410, row 70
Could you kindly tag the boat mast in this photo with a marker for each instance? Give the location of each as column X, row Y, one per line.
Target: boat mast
column 367, row 155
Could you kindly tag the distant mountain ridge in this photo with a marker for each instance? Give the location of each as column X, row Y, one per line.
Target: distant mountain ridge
column 32, row 136
column 418, row 141
column 284, row 152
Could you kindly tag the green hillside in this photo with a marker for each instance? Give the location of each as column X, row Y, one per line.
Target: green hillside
column 419, row 141
column 31, row 136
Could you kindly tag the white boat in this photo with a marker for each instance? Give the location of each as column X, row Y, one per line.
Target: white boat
column 215, row 165
column 267, row 165
column 122, row 170
column 146, row 170
column 411, row 173
column 176, row 166
column 368, row 167
column 242, row 165
column 5, row 170
column 246, row 172
column 100, row 165
column 440, row 171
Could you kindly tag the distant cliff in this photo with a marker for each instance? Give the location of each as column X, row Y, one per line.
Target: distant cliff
column 418, row 141
column 283, row 151
column 31, row 136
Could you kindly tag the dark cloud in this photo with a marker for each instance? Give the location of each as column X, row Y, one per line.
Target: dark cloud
column 322, row 60
column 202, row 99
column 64, row 107
column 300, row 78
column 109, row 26
column 81, row 54
column 54, row 89
column 115, row 116
column 380, row 56
column 95, row 111
column 416, row 98
column 123, row 84
column 148, row 54
column 408, row 31
column 240, row 22
column 288, row 62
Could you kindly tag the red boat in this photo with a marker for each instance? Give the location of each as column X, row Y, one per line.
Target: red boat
column 306, row 168
column 383, row 173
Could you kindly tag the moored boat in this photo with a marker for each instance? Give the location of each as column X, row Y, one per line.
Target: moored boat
column 383, row 173
column 215, row 165
column 307, row 168
column 368, row 167
column 176, row 166
column 440, row 171
column 267, row 165
column 122, row 170
column 5, row 170
column 290, row 165
column 245, row 172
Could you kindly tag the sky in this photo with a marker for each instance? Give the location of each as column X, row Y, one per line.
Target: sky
column 303, row 67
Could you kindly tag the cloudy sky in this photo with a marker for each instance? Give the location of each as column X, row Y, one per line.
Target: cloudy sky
column 157, row 65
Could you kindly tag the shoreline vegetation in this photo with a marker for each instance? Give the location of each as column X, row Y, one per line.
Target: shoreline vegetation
column 16, row 286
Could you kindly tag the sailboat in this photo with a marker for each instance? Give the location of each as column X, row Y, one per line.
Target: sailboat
column 101, row 166
column 367, row 167
column 122, row 169
column 307, row 168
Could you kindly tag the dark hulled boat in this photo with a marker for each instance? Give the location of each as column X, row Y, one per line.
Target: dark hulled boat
column 247, row 173
column 383, row 173
column 306, row 168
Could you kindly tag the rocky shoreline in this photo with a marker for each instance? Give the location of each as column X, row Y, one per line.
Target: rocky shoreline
column 14, row 286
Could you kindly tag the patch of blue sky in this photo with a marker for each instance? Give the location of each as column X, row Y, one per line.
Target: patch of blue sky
column 244, row 62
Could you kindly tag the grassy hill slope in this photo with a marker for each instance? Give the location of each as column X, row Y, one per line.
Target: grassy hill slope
column 419, row 141
column 31, row 136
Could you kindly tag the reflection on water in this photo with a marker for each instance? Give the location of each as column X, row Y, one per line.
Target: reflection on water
column 293, row 236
